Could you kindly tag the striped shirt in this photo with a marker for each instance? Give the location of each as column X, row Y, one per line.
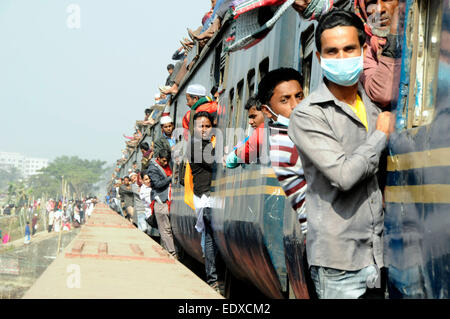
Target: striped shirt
column 286, row 163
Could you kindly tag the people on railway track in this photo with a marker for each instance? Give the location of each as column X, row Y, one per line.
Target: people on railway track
column 160, row 175
column 340, row 134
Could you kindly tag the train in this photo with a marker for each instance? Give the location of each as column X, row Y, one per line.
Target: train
column 257, row 232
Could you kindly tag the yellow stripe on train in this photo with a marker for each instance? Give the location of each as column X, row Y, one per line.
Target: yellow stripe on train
column 427, row 194
column 236, row 192
column 257, row 174
column 429, row 158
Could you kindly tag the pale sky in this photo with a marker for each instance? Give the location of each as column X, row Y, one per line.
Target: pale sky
column 75, row 91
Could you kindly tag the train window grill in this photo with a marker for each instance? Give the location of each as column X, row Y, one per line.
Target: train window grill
column 306, row 57
column 424, row 39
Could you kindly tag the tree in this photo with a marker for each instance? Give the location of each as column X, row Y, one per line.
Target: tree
column 80, row 176
column 9, row 175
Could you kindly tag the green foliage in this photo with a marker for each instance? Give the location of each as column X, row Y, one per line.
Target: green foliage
column 9, row 175
column 76, row 175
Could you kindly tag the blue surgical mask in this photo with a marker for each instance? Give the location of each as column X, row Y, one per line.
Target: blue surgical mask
column 343, row 72
column 282, row 120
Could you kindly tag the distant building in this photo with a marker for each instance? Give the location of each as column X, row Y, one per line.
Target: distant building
column 26, row 165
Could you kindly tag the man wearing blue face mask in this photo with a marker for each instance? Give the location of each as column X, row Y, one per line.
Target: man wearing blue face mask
column 340, row 134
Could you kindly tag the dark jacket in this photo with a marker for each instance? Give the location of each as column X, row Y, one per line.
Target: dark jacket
column 202, row 165
column 160, row 182
column 161, row 143
column 126, row 195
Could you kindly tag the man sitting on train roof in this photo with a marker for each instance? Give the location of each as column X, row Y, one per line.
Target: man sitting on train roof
column 340, row 135
column 279, row 92
column 382, row 61
column 250, row 151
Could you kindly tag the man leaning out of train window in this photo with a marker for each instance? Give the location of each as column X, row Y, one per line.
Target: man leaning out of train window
column 279, row 92
column 382, row 59
column 340, row 135
column 249, row 150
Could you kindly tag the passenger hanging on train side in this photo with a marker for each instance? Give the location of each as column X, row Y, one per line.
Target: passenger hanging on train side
column 147, row 154
column 251, row 149
column 160, row 175
column 126, row 195
column 340, row 134
column 145, row 196
column 279, row 92
column 139, row 209
column 201, row 156
column 198, row 101
column 382, row 61
column 166, row 141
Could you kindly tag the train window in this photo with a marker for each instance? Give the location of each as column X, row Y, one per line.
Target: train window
column 249, row 92
column 230, row 108
column 306, row 57
column 217, row 64
column 251, row 82
column 263, row 68
column 424, row 40
column 239, row 107
column 224, row 62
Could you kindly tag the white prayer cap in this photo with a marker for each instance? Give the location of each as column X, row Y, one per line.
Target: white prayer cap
column 157, row 96
column 165, row 120
column 196, row 89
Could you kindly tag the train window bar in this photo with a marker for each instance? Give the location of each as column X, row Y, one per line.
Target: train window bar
column 263, row 68
column 306, row 57
column 424, row 37
column 239, row 107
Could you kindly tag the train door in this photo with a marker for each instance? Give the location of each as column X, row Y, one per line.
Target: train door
column 417, row 255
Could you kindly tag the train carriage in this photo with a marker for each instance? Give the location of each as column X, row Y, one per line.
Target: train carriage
column 256, row 229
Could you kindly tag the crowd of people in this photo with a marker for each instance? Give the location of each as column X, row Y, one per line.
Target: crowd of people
column 324, row 148
column 60, row 215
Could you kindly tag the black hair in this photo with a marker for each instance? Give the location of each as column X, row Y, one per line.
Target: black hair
column 144, row 146
column 208, row 115
column 170, row 67
column 134, row 162
column 253, row 102
column 339, row 18
column 269, row 82
column 164, row 153
column 147, row 111
column 126, row 177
